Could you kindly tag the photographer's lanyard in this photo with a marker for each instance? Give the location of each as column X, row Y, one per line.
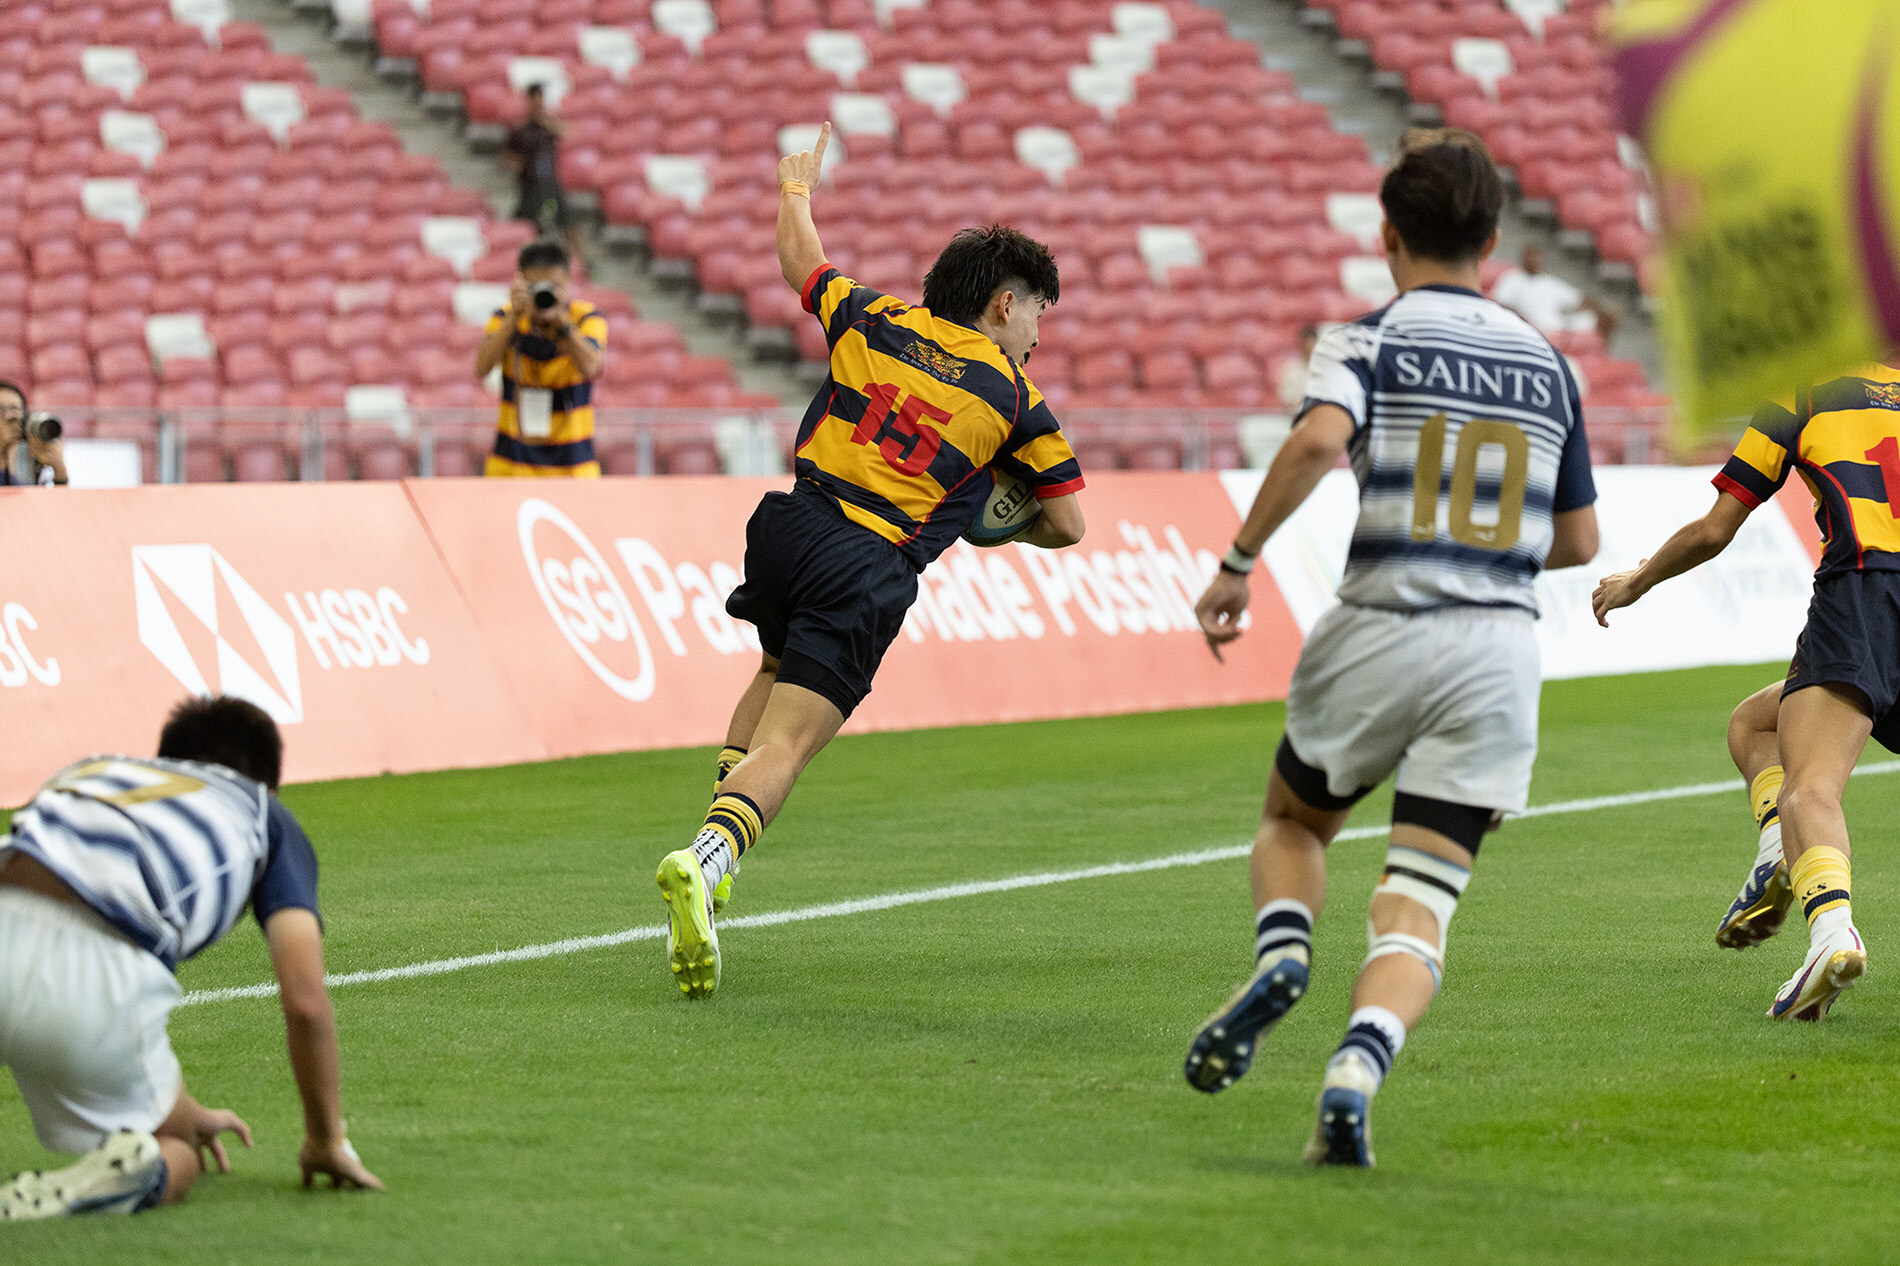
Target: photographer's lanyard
column 534, row 406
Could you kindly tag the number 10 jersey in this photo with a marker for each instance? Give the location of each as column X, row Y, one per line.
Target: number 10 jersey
column 1467, row 437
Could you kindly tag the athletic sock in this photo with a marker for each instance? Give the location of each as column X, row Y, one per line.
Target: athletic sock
column 1821, row 882
column 732, row 826
column 1764, row 797
column 1376, row 1036
column 729, row 757
column 1282, row 929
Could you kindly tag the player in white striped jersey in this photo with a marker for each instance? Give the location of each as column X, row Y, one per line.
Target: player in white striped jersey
column 117, row 871
column 1463, row 428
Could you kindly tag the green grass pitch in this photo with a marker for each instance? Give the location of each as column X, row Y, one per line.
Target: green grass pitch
column 997, row 1078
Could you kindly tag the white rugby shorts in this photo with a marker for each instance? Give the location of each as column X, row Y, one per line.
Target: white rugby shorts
column 1448, row 698
column 82, row 1023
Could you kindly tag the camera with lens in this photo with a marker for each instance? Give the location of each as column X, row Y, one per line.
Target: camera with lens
column 43, row 428
column 545, row 294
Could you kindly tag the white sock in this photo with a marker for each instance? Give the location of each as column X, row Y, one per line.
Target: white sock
column 1374, row 1036
column 714, row 852
column 1770, row 850
column 1829, row 922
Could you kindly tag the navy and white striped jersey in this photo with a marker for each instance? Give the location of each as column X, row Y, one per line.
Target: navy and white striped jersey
column 1468, row 436
column 167, row 851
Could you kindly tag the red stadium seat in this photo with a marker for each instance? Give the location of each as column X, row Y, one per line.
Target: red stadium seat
column 261, row 463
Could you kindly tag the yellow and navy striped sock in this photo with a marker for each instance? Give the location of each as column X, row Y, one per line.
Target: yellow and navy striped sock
column 732, row 826
column 1764, row 797
column 729, row 758
column 1821, row 883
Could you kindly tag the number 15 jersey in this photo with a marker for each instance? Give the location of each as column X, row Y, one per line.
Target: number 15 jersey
column 916, row 409
column 1467, row 438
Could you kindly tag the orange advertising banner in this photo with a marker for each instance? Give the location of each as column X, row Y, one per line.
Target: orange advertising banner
column 453, row 623
column 604, row 603
column 325, row 604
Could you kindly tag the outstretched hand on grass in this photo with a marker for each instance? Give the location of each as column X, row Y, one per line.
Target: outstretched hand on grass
column 205, row 1127
column 340, row 1161
column 806, row 165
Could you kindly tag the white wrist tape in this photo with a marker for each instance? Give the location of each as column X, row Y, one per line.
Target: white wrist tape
column 1435, row 884
column 1238, row 562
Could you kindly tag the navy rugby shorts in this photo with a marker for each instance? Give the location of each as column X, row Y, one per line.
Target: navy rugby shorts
column 827, row 595
column 1852, row 638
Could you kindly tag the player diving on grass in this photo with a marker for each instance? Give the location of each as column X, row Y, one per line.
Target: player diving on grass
column 1464, row 431
column 1796, row 742
column 893, row 463
column 120, row 869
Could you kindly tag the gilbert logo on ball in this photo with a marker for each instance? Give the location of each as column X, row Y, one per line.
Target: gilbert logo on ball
column 1771, row 134
column 1009, row 511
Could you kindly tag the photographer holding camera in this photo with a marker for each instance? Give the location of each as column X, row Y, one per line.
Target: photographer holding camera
column 30, row 447
column 549, row 349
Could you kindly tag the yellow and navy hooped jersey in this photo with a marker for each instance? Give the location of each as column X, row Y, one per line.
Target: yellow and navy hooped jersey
column 917, row 408
column 558, row 439
column 1843, row 436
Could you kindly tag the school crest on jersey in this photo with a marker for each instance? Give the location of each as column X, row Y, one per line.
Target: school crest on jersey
column 1883, row 395
column 936, row 363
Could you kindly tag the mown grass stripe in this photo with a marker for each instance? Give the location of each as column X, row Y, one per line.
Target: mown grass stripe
column 944, row 892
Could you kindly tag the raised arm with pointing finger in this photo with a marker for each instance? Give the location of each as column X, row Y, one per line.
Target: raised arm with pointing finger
column 799, row 251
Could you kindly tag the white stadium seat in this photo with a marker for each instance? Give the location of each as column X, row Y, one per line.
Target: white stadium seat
column 840, row 52
column 128, row 132
column 1484, row 60
column 114, row 67
column 611, row 46
column 862, row 113
column 680, row 176
column 938, row 86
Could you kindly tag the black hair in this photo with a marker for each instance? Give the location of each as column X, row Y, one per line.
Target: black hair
column 980, row 262
column 1443, row 195
column 535, row 90
column 16, row 389
column 542, row 253
column 225, row 730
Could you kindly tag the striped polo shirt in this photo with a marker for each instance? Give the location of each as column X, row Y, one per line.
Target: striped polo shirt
column 562, row 442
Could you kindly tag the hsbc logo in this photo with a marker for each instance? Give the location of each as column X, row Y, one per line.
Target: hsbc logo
column 196, row 577
column 215, row 633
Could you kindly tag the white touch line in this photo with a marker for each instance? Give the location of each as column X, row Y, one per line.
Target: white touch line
column 945, row 892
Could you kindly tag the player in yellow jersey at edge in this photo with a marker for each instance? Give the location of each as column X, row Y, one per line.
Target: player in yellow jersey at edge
column 1798, row 741
column 893, row 462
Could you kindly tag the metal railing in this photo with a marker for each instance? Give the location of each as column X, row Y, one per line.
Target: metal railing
column 207, row 443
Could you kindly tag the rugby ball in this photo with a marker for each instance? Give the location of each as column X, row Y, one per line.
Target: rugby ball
column 1010, row 510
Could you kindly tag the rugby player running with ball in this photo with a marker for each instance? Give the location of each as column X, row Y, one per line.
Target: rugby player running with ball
column 893, row 463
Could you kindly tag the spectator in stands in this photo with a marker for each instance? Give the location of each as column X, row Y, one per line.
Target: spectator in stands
column 549, row 348
column 26, row 459
column 531, row 151
column 1550, row 303
column 1291, row 380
